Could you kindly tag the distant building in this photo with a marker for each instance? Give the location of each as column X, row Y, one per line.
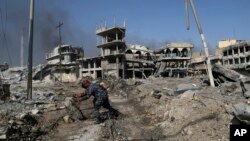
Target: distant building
column 223, row 44
column 69, row 55
column 139, row 61
column 237, row 56
column 174, row 60
column 65, row 69
column 116, row 58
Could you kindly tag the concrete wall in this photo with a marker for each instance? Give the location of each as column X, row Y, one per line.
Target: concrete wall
column 226, row 43
column 70, row 77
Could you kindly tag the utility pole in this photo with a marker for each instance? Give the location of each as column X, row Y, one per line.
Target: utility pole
column 60, row 54
column 209, row 68
column 30, row 61
column 21, row 51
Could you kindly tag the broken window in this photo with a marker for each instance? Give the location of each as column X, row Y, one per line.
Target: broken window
column 111, row 60
column 230, row 61
column 225, row 53
column 242, row 60
column 247, row 48
column 248, row 58
column 241, row 50
column 236, row 60
column 236, row 51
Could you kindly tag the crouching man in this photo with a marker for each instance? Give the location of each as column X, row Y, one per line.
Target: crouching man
column 100, row 99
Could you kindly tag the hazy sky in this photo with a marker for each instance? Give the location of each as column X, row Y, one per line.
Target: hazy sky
column 149, row 22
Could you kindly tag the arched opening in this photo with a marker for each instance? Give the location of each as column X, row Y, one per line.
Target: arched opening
column 139, row 54
column 129, row 51
column 184, row 52
column 175, row 52
column 168, row 53
column 148, row 56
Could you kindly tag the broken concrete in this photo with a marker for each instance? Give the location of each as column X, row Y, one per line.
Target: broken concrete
column 73, row 109
column 242, row 112
column 226, row 73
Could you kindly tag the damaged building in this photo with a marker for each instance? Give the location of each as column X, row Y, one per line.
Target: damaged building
column 111, row 59
column 61, row 65
column 236, row 55
column 116, row 58
column 139, row 61
column 174, row 60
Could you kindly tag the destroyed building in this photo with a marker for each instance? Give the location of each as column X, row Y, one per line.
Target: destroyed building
column 198, row 63
column 174, row 60
column 139, row 61
column 116, row 58
column 111, row 59
column 61, row 64
column 236, row 56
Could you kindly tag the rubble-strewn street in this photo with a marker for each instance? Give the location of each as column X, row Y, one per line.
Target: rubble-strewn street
column 150, row 109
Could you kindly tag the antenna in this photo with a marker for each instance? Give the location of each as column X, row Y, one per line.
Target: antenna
column 234, row 35
column 114, row 22
column 60, row 54
column 124, row 23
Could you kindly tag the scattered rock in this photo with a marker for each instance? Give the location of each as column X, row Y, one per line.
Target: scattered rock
column 242, row 112
column 184, row 87
column 188, row 94
column 34, row 111
column 156, row 94
column 68, row 119
column 73, row 109
column 187, row 131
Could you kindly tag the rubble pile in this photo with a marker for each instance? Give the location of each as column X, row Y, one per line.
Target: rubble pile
column 21, row 119
column 19, row 74
column 119, row 87
column 15, row 75
column 150, row 109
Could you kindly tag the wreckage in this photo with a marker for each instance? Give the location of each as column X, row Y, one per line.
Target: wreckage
column 62, row 65
column 237, row 57
column 174, row 60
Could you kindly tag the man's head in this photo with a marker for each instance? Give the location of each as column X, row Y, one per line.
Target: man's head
column 85, row 83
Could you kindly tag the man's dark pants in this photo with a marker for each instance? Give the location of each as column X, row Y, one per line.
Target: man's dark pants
column 103, row 102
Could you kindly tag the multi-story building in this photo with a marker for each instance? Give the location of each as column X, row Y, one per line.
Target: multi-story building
column 116, row 58
column 111, row 60
column 61, row 65
column 237, row 57
column 139, row 61
column 174, row 60
column 68, row 54
column 112, row 48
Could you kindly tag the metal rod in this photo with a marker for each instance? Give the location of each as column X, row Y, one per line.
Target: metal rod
column 187, row 14
column 211, row 78
column 60, row 54
column 30, row 61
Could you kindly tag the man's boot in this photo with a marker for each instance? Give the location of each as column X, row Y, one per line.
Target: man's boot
column 113, row 113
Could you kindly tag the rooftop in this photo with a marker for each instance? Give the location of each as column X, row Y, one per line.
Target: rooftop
column 104, row 30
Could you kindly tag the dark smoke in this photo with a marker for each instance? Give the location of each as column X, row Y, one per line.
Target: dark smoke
column 47, row 17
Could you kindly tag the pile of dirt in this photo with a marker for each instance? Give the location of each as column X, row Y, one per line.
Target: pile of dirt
column 150, row 109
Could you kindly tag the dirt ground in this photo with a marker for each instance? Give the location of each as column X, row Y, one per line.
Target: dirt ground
column 202, row 113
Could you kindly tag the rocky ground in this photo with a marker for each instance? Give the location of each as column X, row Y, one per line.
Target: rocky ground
column 151, row 109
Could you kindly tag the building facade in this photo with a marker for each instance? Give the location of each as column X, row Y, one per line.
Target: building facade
column 174, row 60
